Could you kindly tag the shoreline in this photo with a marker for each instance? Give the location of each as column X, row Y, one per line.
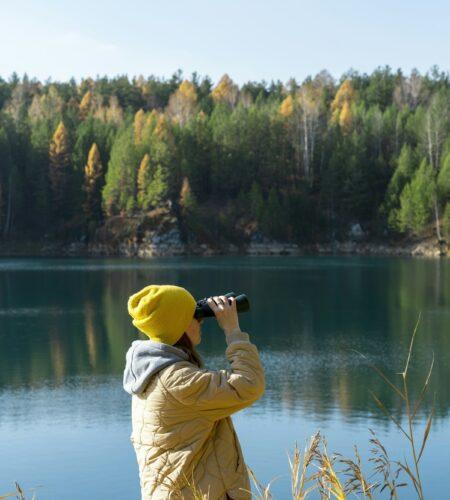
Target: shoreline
column 270, row 248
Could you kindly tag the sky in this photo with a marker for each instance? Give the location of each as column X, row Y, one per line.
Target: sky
column 251, row 40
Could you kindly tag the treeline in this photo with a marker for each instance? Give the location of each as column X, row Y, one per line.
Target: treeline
column 297, row 161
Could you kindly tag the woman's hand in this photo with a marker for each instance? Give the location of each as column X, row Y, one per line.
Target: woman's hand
column 225, row 313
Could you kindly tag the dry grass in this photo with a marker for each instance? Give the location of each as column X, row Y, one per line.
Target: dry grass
column 17, row 494
column 337, row 476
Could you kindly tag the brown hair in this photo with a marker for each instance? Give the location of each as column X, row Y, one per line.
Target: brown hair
column 184, row 343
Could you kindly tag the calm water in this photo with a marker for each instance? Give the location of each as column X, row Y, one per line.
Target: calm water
column 64, row 330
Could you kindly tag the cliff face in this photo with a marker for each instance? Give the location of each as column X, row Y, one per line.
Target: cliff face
column 155, row 233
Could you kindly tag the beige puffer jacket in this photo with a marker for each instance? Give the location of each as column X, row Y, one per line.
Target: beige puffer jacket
column 181, row 426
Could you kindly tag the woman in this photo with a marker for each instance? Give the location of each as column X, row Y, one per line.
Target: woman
column 182, row 430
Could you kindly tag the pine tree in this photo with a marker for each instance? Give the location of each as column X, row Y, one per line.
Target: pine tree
column 93, row 182
column 38, row 176
column 119, row 192
column 158, row 188
column 416, row 200
column 406, row 164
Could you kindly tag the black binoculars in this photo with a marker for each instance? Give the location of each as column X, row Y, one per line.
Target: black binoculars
column 204, row 311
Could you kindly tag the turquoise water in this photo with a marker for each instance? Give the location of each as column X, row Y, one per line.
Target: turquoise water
column 64, row 330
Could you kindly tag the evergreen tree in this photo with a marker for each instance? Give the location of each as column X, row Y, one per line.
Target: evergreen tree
column 119, row 192
column 195, row 149
column 38, row 164
column 403, row 173
column 416, row 200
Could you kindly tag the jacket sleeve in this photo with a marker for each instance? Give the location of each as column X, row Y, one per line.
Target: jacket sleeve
column 218, row 394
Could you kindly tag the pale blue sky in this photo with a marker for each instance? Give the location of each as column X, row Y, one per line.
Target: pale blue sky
column 248, row 39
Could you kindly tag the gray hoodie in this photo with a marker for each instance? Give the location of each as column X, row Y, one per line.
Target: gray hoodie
column 144, row 358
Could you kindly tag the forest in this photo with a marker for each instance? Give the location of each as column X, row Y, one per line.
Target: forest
column 296, row 161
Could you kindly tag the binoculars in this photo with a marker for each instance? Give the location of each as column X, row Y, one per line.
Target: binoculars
column 203, row 310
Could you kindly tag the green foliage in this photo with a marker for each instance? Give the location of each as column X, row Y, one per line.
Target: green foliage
column 256, row 201
column 272, row 217
column 38, row 176
column 119, row 192
column 158, row 187
column 416, row 200
column 406, row 165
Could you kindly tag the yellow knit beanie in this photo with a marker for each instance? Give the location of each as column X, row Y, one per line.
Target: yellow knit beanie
column 162, row 312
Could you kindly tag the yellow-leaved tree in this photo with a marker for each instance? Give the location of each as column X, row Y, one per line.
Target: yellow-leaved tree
column 143, row 180
column 139, row 124
column 287, row 106
column 226, row 91
column 183, row 103
column 59, row 170
column 341, row 107
column 93, row 180
column 86, row 104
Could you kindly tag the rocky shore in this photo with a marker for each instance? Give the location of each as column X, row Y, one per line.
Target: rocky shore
column 158, row 234
column 171, row 245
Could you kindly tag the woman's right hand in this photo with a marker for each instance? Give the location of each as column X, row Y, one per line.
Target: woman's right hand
column 225, row 313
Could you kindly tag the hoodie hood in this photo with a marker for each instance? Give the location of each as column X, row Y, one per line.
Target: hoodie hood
column 144, row 359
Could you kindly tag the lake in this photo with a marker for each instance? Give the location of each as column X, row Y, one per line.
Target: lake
column 64, row 330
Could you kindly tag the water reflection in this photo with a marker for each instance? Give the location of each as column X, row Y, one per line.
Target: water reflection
column 64, row 328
